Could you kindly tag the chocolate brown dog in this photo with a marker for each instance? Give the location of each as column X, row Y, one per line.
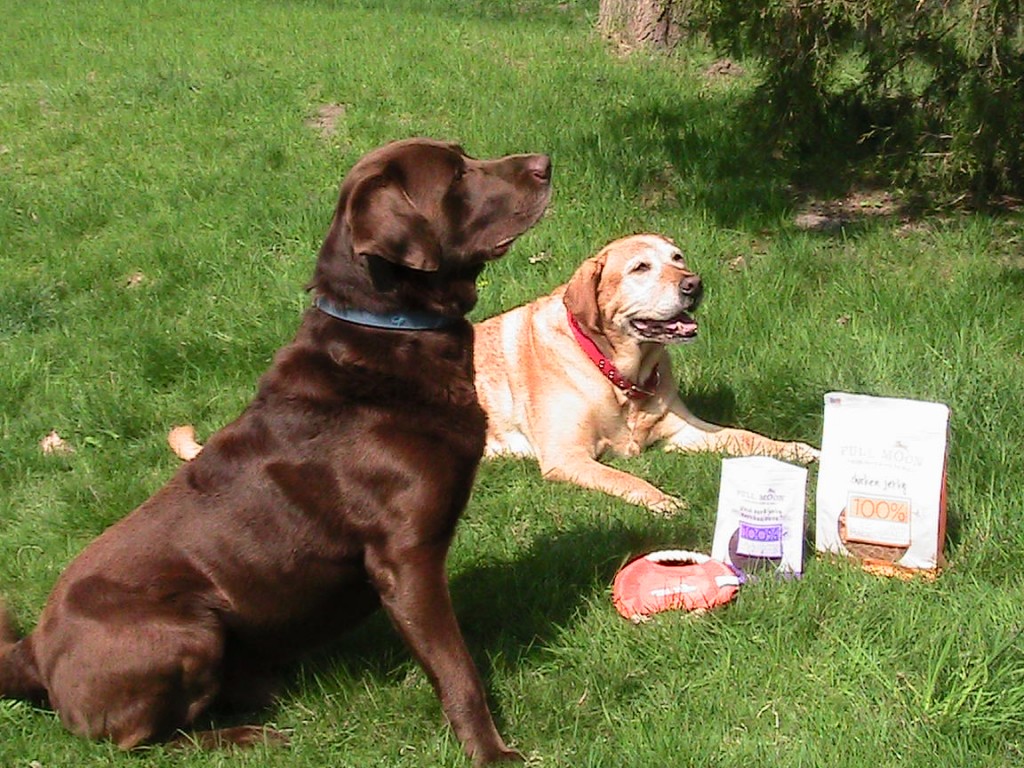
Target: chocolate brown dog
column 337, row 490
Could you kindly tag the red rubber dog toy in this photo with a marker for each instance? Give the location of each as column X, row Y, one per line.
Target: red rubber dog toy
column 673, row 579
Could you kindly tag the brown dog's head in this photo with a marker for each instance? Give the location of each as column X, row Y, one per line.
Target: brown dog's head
column 637, row 288
column 416, row 221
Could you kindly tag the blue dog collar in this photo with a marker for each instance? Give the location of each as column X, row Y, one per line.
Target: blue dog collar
column 406, row 320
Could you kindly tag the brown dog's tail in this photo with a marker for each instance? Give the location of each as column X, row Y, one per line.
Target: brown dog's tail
column 8, row 634
column 19, row 675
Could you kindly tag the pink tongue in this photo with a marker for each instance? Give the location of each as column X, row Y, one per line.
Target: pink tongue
column 681, row 326
column 684, row 327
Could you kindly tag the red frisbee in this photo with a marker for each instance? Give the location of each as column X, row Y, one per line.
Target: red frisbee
column 673, row 579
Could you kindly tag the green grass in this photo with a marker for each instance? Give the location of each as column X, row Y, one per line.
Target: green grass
column 167, row 140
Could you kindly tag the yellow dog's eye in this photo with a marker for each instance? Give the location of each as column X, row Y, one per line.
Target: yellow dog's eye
column 677, row 257
column 642, row 266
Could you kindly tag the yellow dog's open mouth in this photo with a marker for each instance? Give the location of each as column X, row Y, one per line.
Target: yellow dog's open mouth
column 682, row 327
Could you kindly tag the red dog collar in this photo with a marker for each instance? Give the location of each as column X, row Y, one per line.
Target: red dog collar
column 633, row 391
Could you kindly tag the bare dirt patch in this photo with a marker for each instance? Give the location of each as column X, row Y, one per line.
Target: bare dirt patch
column 723, row 69
column 858, row 206
column 659, row 189
column 326, row 120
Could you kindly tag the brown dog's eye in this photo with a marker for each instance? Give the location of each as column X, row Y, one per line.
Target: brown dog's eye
column 460, row 172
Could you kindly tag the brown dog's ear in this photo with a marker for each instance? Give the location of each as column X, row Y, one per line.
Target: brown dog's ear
column 385, row 223
column 580, row 296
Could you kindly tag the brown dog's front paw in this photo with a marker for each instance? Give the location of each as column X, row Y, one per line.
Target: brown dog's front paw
column 499, row 755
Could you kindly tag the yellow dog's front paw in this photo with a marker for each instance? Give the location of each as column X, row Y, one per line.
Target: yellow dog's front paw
column 667, row 505
column 804, row 453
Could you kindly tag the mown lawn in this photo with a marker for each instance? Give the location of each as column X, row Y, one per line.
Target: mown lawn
column 162, row 198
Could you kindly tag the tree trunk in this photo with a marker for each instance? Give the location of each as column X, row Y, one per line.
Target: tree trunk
column 640, row 23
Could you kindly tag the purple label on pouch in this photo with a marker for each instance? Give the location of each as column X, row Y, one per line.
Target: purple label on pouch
column 760, row 540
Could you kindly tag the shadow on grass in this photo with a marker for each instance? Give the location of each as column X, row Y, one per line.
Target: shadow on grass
column 515, row 605
column 717, row 405
column 1013, row 277
column 508, row 609
column 714, row 153
column 695, row 152
column 568, row 12
column 799, row 419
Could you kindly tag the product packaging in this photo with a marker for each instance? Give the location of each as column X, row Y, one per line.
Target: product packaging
column 760, row 523
column 882, row 480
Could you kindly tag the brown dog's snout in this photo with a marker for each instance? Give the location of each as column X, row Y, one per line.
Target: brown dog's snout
column 539, row 166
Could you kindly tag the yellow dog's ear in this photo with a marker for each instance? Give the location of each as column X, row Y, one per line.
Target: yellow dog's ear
column 580, row 296
column 384, row 222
